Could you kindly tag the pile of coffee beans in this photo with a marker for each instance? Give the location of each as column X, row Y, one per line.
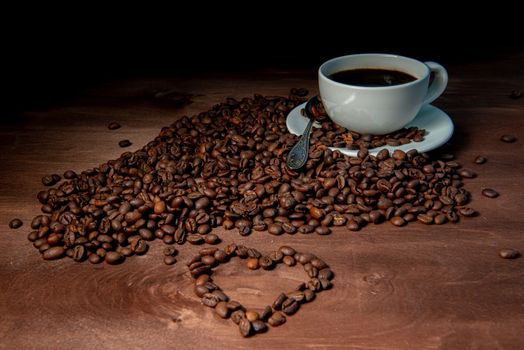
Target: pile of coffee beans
column 251, row 322
column 227, row 167
column 332, row 134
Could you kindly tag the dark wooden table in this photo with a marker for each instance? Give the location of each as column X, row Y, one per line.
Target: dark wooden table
column 415, row 287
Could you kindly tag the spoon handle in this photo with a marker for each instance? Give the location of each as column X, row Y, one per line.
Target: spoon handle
column 298, row 155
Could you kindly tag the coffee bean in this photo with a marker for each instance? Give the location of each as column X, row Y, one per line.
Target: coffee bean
column 210, row 300
column 211, row 238
column 277, row 304
column 54, row 253
column 265, row 262
column 480, row 160
column 508, row 253
column 114, row 258
column 508, row 138
column 467, row 173
column 79, row 253
column 277, row 319
column 95, row 259
column 124, row 143
column 50, row 180
column 490, row 193
column 465, row 211
column 113, row 126
column 288, row 251
column 169, row 260
column 275, row 229
column 397, row 221
column 15, row 223
column 237, row 315
column 290, row 306
column 289, row 260
column 259, row 326
column 252, row 315
column 266, row 313
column 323, row 230
column 244, row 327
column 222, row 310
column 252, row 263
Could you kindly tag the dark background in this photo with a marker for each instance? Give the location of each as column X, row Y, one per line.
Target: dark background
column 48, row 58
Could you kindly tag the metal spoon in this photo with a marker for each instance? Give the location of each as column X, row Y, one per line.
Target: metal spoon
column 298, row 155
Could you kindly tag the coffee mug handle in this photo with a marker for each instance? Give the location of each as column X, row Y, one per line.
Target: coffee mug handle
column 439, row 83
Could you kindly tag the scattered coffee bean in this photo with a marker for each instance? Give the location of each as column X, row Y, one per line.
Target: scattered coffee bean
column 50, row 180
column 490, row 193
column 480, row 160
column 124, row 143
column 509, row 253
column 113, row 126
column 508, row 138
column 15, row 223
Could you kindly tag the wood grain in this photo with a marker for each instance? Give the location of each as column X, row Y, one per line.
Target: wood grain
column 416, row 287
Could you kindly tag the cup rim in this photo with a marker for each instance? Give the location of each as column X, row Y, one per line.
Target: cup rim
column 373, row 88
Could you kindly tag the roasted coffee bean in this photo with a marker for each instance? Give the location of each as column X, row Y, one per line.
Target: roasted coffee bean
column 169, row 260
column 237, row 315
column 290, row 306
column 114, row 258
column 244, row 327
column 210, row 300
column 113, row 126
column 222, row 310
column 170, row 251
column 288, row 251
column 480, row 160
column 276, row 256
column 490, row 193
column 54, row 253
column 289, row 260
column 79, row 253
column 266, row 313
column 124, row 143
column 259, row 326
column 467, row 173
column 50, row 180
column 252, row 315
column 277, row 304
column 308, row 295
column 397, row 221
column 211, row 238
column 195, row 239
column 95, row 259
column 465, row 211
column 508, row 138
column 265, row 262
column 275, row 229
column 252, row 263
column 515, row 94
column 15, row 223
column 322, row 230
column 508, row 253
column 276, row 319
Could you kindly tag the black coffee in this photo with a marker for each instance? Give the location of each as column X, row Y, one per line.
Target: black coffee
column 371, row 77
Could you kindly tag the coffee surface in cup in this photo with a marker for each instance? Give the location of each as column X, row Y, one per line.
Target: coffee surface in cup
column 371, row 77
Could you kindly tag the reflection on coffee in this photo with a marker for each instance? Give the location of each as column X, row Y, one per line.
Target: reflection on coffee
column 371, row 77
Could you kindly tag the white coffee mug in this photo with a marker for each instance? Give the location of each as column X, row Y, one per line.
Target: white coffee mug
column 379, row 110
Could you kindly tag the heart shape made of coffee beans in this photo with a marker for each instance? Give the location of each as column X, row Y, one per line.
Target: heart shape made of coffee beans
column 251, row 322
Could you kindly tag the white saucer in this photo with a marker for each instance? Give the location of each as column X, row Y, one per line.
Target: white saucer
column 437, row 123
